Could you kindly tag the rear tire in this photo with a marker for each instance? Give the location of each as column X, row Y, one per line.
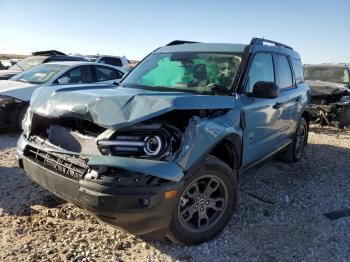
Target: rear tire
column 295, row 151
column 206, row 203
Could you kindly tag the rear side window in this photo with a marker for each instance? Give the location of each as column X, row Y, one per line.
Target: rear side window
column 298, row 71
column 284, row 72
column 104, row 73
column 111, row 61
column 260, row 70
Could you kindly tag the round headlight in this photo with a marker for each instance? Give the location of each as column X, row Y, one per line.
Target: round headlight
column 153, row 145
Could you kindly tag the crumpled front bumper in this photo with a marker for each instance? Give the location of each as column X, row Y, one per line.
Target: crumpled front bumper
column 138, row 210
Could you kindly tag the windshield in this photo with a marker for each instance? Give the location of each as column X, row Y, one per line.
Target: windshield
column 28, row 63
column 186, row 71
column 334, row 75
column 39, row 74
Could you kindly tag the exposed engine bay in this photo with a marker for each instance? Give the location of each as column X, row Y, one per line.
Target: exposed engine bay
column 330, row 104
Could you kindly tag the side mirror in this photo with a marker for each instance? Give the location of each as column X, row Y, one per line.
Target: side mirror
column 264, row 89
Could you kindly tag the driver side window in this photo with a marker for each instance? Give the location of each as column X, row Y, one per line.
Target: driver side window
column 261, row 69
column 77, row 75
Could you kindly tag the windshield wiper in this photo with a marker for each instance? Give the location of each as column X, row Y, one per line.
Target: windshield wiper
column 22, row 80
column 15, row 63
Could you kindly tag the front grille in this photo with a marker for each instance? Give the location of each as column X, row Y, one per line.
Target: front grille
column 68, row 165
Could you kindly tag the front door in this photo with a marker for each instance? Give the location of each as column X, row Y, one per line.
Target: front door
column 261, row 129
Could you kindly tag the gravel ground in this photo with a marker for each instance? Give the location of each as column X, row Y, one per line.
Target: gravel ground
column 280, row 216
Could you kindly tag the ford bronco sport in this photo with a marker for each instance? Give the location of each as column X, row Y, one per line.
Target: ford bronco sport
column 162, row 151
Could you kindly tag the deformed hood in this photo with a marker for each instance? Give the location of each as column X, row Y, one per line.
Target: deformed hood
column 115, row 107
column 321, row 88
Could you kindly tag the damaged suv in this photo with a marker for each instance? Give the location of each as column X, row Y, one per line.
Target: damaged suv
column 161, row 152
column 330, row 93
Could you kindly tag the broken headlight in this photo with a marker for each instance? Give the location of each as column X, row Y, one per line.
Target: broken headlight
column 157, row 141
column 27, row 122
column 7, row 100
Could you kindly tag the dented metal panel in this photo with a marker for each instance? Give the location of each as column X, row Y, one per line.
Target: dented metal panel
column 116, row 107
column 170, row 171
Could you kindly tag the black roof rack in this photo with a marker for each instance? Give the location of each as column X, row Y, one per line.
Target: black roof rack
column 180, row 42
column 261, row 41
column 48, row 53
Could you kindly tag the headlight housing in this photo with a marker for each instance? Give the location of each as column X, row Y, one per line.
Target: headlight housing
column 155, row 141
column 8, row 100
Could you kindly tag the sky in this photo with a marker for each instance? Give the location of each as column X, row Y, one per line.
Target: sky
column 318, row 29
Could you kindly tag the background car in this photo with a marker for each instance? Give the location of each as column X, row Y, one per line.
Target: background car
column 37, row 58
column 110, row 60
column 16, row 92
column 330, row 93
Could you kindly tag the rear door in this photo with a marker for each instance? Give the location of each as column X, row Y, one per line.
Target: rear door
column 261, row 130
column 288, row 100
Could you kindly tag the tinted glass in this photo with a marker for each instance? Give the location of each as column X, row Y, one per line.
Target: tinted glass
column 285, row 78
column 111, row 61
column 260, row 70
column 298, row 70
column 104, row 73
column 334, row 75
column 78, row 75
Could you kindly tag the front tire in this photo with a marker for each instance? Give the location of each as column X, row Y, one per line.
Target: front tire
column 295, row 151
column 205, row 204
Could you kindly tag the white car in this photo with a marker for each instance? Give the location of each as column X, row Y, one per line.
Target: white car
column 109, row 60
column 16, row 92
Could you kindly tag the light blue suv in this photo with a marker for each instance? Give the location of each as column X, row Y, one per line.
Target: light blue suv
column 161, row 153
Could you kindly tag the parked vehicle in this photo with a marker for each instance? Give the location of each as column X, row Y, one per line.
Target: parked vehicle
column 162, row 152
column 16, row 92
column 110, row 60
column 37, row 58
column 330, row 93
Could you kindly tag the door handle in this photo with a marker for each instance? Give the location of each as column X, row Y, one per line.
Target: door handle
column 277, row 105
column 298, row 99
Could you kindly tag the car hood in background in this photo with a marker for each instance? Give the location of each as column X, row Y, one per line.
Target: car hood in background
column 16, row 89
column 319, row 88
column 115, row 107
column 6, row 74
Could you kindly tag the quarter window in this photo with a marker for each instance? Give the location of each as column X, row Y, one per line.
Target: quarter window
column 285, row 78
column 260, row 70
column 298, row 71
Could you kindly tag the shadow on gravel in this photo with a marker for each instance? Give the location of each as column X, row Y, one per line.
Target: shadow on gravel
column 330, row 131
column 281, row 210
column 19, row 193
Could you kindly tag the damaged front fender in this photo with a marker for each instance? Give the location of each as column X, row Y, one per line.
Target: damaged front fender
column 202, row 135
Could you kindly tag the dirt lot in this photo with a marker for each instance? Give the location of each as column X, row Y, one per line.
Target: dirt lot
column 280, row 216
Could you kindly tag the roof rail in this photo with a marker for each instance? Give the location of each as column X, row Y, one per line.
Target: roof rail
column 180, row 42
column 261, row 41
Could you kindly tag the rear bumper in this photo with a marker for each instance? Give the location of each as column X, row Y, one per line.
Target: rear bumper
column 138, row 210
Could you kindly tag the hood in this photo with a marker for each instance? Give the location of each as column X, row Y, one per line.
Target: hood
column 320, row 88
column 19, row 90
column 115, row 107
column 6, row 74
